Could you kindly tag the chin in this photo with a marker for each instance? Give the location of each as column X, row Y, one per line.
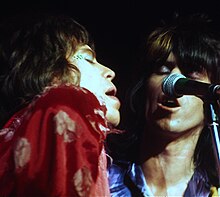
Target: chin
column 113, row 118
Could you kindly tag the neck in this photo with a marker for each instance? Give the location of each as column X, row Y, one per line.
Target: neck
column 168, row 169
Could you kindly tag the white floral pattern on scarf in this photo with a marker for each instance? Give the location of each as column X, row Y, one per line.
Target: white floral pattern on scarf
column 22, row 153
column 65, row 126
column 82, row 181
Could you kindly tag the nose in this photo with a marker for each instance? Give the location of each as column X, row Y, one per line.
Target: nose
column 176, row 70
column 108, row 73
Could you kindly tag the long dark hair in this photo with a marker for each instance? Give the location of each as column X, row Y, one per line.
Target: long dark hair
column 33, row 51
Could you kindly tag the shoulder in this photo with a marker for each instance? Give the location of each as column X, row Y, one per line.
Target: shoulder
column 118, row 169
column 199, row 185
column 72, row 100
column 68, row 93
column 63, row 105
column 117, row 173
column 69, row 96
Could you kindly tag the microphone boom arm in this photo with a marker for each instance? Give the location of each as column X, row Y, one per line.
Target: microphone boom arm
column 213, row 124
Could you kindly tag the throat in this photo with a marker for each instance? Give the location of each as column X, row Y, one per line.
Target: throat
column 177, row 189
column 166, row 178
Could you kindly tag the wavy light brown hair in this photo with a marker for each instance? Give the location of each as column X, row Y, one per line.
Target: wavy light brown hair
column 33, row 52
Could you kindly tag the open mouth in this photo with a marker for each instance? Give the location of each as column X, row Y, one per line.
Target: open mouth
column 170, row 102
column 111, row 92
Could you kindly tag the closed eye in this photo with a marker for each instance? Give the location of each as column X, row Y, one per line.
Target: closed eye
column 162, row 70
column 91, row 61
column 87, row 55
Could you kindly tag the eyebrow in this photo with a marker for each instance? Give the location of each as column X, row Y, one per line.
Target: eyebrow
column 86, row 50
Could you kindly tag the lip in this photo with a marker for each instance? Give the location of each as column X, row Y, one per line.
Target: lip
column 116, row 100
column 111, row 94
column 112, row 90
column 164, row 99
column 168, row 109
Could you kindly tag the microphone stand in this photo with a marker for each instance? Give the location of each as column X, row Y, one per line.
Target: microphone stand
column 213, row 124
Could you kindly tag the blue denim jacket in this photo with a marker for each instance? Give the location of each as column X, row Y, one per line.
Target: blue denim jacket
column 127, row 180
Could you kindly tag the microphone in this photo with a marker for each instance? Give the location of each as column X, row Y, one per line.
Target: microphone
column 176, row 85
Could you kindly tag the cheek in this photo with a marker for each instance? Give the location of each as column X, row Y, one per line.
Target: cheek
column 194, row 107
column 154, row 84
column 84, row 82
column 89, row 81
column 153, row 91
column 193, row 102
column 87, row 76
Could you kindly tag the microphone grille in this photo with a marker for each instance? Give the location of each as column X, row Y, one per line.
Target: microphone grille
column 168, row 84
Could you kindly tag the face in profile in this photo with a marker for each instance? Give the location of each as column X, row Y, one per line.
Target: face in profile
column 98, row 79
column 174, row 115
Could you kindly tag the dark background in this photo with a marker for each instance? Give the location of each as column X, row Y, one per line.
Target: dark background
column 118, row 27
